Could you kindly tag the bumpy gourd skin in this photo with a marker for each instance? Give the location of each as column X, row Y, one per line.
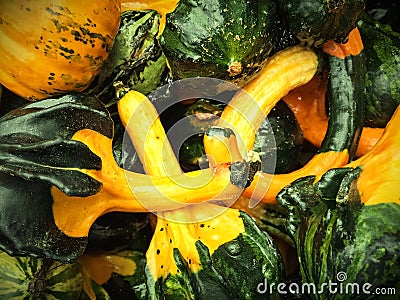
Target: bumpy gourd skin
column 228, row 40
column 317, row 21
column 336, row 234
column 382, row 51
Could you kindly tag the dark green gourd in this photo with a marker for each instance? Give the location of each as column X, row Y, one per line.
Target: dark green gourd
column 136, row 60
column 228, row 40
column 317, row 21
column 382, row 90
column 337, row 235
column 36, row 153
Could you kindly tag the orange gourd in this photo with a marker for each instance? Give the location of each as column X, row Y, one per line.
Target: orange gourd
column 53, row 47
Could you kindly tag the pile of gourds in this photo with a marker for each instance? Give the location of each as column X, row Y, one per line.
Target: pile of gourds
column 95, row 201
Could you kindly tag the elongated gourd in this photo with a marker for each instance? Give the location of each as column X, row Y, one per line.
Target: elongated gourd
column 183, row 237
column 285, row 71
column 338, row 145
column 308, row 104
column 60, row 150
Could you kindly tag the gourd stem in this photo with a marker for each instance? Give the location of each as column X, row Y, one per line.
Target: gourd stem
column 283, row 72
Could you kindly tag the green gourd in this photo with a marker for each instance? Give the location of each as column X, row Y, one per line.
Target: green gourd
column 229, row 40
column 318, row 21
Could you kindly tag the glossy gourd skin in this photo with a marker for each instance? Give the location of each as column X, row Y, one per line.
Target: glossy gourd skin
column 52, row 47
column 36, row 152
column 336, row 234
column 229, row 40
column 347, row 220
column 317, row 21
column 345, row 93
column 279, row 138
column 382, row 51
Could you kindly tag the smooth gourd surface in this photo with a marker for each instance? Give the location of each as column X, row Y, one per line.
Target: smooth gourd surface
column 52, row 47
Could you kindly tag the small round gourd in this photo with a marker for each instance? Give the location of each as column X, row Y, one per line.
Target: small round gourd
column 53, row 47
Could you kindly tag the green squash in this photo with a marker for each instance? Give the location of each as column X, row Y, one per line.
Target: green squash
column 345, row 92
column 229, row 40
column 279, row 141
column 36, row 153
column 33, row 278
column 382, row 51
column 136, row 60
column 339, row 239
column 227, row 257
column 316, row 21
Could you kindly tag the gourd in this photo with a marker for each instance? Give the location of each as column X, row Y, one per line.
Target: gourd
column 308, row 103
column 33, row 278
column 379, row 97
column 191, row 254
column 53, row 47
column 357, row 210
column 229, row 40
column 185, row 261
column 285, row 71
column 384, row 188
column 339, row 239
column 60, row 151
column 135, row 60
column 278, row 140
column 36, row 152
column 382, row 50
column 318, row 21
